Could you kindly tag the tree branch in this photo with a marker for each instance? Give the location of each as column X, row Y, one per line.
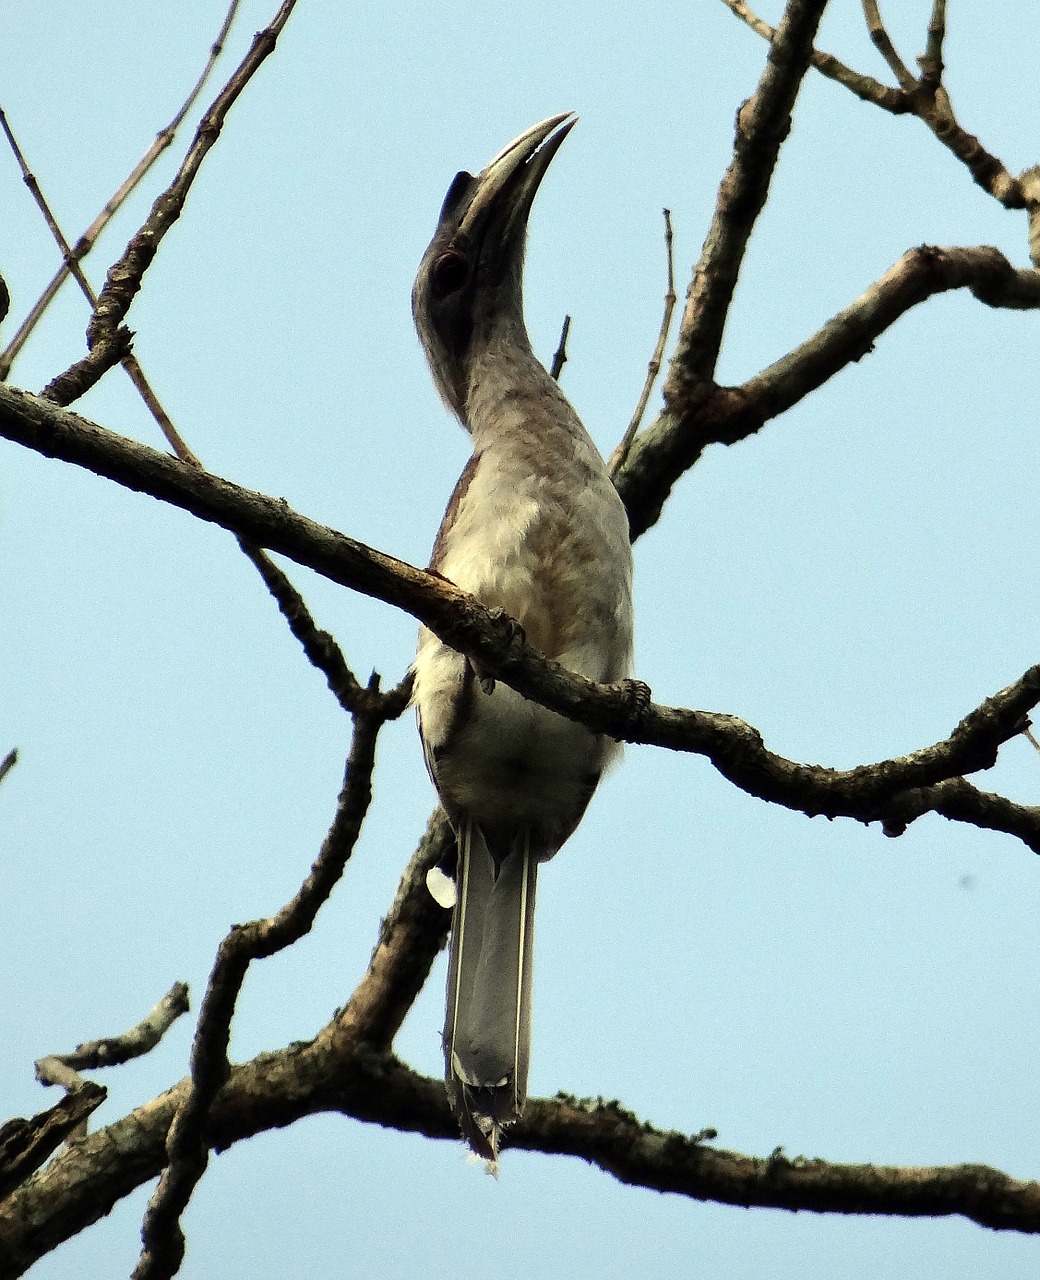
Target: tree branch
column 763, row 124
column 273, row 1090
column 653, row 369
column 724, row 415
column 27, row 1144
column 924, row 97
column 89, row 238
column 125, row 275
column 865, row 793
column 187, row 1148
column 113, row 1051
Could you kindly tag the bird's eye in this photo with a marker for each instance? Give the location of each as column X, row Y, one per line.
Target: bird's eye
column 450, row 273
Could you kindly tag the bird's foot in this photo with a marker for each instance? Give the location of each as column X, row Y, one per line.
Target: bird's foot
column 634, row 699
column 511, row 632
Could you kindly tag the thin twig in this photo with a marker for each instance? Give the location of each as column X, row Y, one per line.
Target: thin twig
column 931, row 61
column 864, row 86
column 72, row 266
column 125, row 275
column 560, row 356
column 186, row 1144
column 89, row 238
column 113, row 1051
column 617, row 458
column 927, row 100
column 882, row 41
column 318, row 645
column 29, row 178
column 8, row 763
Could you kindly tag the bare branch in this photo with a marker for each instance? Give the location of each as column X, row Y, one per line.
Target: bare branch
column 919, row 274
column 560, row 355
column 670, row 446
column 931, row 61
column 321, row 649
column 277, row 1088
column 8, row 763
column 924, row 98
column 414, row 931
column 27, row 1144
column 89, row 238
column 125, row 276
column 62, row 391
column 867, row 793
column 319, row 646
column 864, row 86
column 113, row 1051
column 763, row 124
column 883, row 43
column 617, row 458
column 186, row 1146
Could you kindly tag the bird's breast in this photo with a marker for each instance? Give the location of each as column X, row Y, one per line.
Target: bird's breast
column 551, row 549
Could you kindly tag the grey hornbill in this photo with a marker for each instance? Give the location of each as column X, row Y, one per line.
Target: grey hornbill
column 534, row 528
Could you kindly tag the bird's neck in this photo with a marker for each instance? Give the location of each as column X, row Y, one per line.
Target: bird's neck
column 511, row 399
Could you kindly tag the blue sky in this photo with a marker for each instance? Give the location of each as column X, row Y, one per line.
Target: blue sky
column 852, row 580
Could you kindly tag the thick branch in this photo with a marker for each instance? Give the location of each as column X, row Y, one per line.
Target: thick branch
column 735, row 748
column 273, row 1090
column 671, row 445
column 26, row 1144
column 763, row 124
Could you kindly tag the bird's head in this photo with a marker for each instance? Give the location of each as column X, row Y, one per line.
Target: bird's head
column 468, row 293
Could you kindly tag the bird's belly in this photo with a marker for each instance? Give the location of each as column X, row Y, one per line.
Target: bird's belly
column 513, row 763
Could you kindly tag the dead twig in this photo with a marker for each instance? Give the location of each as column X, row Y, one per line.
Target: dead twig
column 319, row 646
column 560, row 356
column 617, row 458
column 8, row 763
column 931, row 61
column 89, row 238
column 125, row 275
column 187, row 1147
column 924, row 97
column 112, row 1051
column 883, row 43
column 129, row 360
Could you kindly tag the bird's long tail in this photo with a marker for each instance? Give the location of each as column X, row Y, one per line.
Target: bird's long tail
column 487, row 1030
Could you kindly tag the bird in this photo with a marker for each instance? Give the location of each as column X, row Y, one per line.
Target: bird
column 534, row 529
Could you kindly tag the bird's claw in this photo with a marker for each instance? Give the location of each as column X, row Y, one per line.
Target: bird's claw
column 634, row 698
column 511, row 632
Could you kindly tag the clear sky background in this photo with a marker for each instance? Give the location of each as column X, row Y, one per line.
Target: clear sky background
column 852, row 580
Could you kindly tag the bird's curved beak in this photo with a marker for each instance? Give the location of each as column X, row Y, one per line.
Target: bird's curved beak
column 501, row 195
